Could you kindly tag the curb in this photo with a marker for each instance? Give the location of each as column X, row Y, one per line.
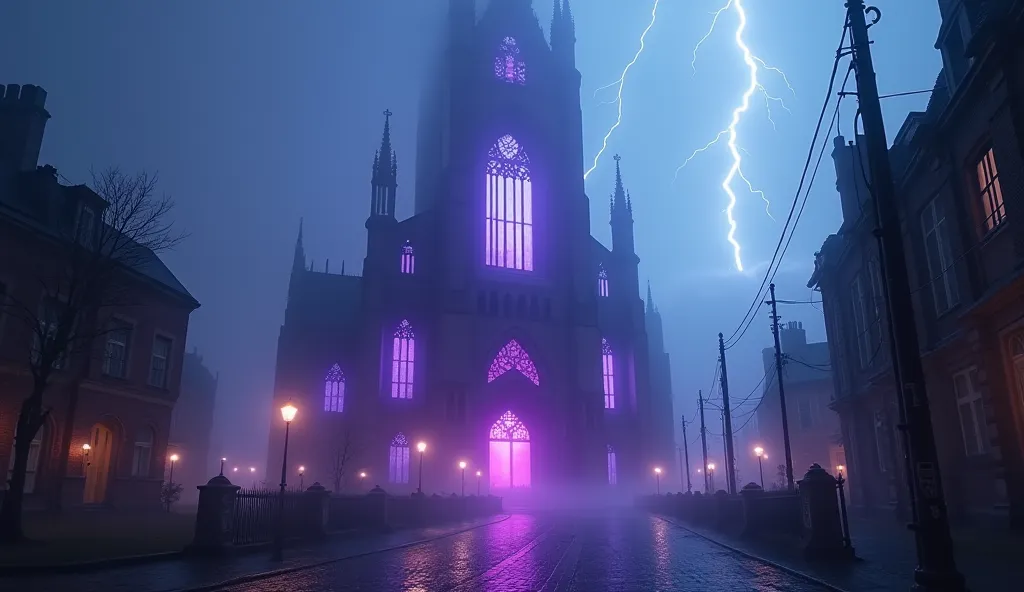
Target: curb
column 793, row 572
column 289, row 570
column 87, row 566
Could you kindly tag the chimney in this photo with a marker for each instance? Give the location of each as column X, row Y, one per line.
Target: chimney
column 22, row 122
column 793, row 336
column 851, row 169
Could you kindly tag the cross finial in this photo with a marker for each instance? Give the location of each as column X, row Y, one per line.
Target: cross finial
column 388, row 113
column 617, row 158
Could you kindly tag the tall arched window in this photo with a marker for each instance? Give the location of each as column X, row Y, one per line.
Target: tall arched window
column 608, row 372
column 408, row 259
column 509, row 230
column 334, row 390
column 602, row 281
column 613, row 470
column 398, row 460
column 509, row 453
column 507, row 64
column 34, row 457
column 513, row 356
column 142, row 453
column 403, row 361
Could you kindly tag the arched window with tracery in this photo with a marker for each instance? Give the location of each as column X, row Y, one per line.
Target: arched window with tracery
column 509, row 453
column 508, row 66
column 613, row 469
column 403, row 361
column 509, row 208
column 608, row 372
column 513, row 357
column 602, row 281
column 408, row 258
column 398, row 460
column 334, row 390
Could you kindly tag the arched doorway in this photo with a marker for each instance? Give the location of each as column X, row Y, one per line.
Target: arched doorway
column 97, row 474
column 509, row 453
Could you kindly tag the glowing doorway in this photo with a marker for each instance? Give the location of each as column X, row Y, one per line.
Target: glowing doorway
column 509, row 453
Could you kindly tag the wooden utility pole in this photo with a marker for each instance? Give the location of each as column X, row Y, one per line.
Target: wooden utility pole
column 703, row 439
column 782, row 390
column 686, row 456
column 730, row 460
column 936, row 569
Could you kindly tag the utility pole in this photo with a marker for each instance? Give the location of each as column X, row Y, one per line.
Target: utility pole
column 730, row 461
column 686, row 453
column 782, row 391
column 703, row 439
column 936, row 568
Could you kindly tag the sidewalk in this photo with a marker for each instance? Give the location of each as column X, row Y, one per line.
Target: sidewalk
column 187, row 574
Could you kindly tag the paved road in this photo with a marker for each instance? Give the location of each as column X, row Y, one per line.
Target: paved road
column 627, row 552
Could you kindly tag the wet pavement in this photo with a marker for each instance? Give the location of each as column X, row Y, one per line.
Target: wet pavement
column 583, row 552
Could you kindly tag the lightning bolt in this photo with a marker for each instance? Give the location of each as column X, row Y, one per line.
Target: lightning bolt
column 621, row 82
column 754, row 65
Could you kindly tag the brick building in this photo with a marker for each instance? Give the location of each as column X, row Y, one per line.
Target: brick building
column 192, row 426
column 128, row 384
column 960, row 184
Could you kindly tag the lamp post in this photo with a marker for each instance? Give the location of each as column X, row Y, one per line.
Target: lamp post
column 760, row 453
column 419, row 486
column 85, row 456
column 174, row 459
column 223, row 459
column 657, row 479
column 478, row 483
column 462, row 466
column 302, row 471
column 711, row 475
column 252, row 472
column 840, row 482
column 287, row 414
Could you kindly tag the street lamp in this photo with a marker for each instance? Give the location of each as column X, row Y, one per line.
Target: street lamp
column 287, row 414
column 85, row 454
column 302, row 471
column 657, row 478
column 711, row 474
column 462, row 465
column 478, row 473
column 174, row 459
column 839, row 469
column 421, row 447
column 234, row 470
column 223, row 459
column 760, row 453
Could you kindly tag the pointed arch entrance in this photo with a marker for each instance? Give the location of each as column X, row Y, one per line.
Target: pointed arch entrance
column 509, row 453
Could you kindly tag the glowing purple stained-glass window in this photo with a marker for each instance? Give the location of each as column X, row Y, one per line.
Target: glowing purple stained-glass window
column 408, row 259
column 403, row 361
column 334, row 390
column 608, row 373
column 602, row 282
column 398, row 460
column 507, row 64
column 509, row 453
column 613, row 469
column 509, row 209
column 513, row 357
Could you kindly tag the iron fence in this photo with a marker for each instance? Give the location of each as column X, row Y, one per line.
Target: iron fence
column 255, row 517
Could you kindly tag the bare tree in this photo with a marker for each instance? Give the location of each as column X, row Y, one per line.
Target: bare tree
column 83, row 273
column 343, row 452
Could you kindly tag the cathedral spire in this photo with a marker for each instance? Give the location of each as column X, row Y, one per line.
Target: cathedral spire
column 299, row 257
column 570, row 22
column 556, row 24
column 384, row 181
column 385, row 161
column 650, row 298
column 619, row 198
column 622, row 215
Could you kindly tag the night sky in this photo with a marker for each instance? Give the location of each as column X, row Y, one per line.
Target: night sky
column 256, row 113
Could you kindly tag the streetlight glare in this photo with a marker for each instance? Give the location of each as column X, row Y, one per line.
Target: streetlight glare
column 235, row 469
column 421, row 446
column 174, row 458
column 252, row 469
column 362, row 475
column 657, row 470
column 223, row 459
column 462, row 464
column 711, row 466
column 759, row 451
column 86, row 447
column 302, row 469
column 288, row 412
column 478, row 473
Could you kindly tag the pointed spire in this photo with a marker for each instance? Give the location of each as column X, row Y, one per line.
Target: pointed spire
column 567, row 17
column 384, row 160
column 299, row 258
column 342, row 267
column 650, row 298
column 620, row 193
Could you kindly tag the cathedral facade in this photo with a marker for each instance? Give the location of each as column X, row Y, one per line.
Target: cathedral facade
column 490, row 326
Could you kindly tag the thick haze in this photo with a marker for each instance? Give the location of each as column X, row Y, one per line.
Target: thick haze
column 260, row 112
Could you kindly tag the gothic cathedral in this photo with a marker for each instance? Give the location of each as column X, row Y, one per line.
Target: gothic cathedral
column 490, row 327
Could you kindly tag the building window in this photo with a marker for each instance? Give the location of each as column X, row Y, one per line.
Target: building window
column 971, row 410
column 115, row 354
column 509, row 208
column 860, row 320
column 608, row 373
column 142, row 453
column 408, row 259
column 938, row 253
column 509, row 453
column 334, row 390
column 990, row 190
column 513, row 357
column 602, row 282
column 160, row 362
column 403, row 361
column 44, row 341
column 613, row 472
column 398, row 460
column 507, row 64
column 34, row 456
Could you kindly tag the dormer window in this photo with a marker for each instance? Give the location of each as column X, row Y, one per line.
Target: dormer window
column 85, row 229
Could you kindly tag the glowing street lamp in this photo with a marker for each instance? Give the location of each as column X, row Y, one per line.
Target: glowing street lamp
column 174, row 459
column 234, row 470
column 85, row 453
column 462, row 466
column 478, row 473
column 711, row 474
column 657, row 478
column 302, row 471
column 223, row 459
column 759, row 452
column 287, row 414
column 422, row 446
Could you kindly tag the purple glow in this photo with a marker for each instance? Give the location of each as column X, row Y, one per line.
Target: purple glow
column 334, row 390
column 509, row 453
column 509, row 223
column 613, row 469
column 398, row 460
column 403, row 361
column 507, row 65
column 408, row 259
column 608, row 371
column 602, row 282
column 513, row 356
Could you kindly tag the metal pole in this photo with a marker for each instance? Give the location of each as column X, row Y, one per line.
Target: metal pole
column 478, row 485
column 840, row 482
column 782, row 391
column 936, row 567
column 657, row 480
column 703, row 439
column 463, row 482
column 760, row 469
column 279, row 534
column 730, row 462
column 686, row 456
column 419, row 485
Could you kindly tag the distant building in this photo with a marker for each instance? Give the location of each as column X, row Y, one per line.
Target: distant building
column 959, row 172
column 192, row 426
column 814, row 434
column 129, row 382
column 666, row 423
